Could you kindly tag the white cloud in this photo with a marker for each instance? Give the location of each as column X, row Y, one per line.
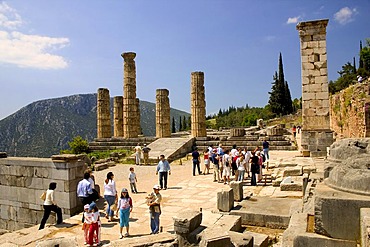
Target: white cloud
column 31, row 50
column 345, row 15
column 9, row 18
column 23, row 50
column 270, row 38
column 293, row 20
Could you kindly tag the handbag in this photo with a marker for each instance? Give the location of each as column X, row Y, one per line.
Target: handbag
column 43, row 196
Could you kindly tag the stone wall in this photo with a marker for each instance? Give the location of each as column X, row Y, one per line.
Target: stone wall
column 350, row 111
column 23, row 180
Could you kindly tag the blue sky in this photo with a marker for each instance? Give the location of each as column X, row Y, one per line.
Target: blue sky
column 51, row 49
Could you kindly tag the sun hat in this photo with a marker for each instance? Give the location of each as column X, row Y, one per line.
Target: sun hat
column 156, row 187
column 124, row 190
column 86, row 206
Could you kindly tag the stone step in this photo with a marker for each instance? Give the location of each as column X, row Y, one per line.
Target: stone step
column 259, row 239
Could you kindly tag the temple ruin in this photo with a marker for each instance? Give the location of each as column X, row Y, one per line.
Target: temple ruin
column 103, row 113
column 118, row 116
column 316, row 132
column 162, row 114
column 198, row 105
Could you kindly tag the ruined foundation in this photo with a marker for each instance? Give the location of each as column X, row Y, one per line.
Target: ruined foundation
column 162, row 114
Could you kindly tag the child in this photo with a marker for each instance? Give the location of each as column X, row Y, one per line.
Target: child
column 125, row 208
column 87, row 222
column 133, row 180
column 94, row 226
column 206, row 162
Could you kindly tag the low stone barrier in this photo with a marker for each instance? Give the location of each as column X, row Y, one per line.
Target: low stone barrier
column 225, row 200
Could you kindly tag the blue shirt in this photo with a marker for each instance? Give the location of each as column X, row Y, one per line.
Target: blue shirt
column 163, row 166
column 84, row 188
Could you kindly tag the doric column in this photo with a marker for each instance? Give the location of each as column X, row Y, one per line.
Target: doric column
column 162, row 114
column 118, row 116
column 138, row 116
column 129, row 96
column 316, row 133
column 103, row 114
column 198, row 105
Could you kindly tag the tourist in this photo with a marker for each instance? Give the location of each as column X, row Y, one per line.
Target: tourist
column 110, row 195
column 133, row 180
column 226, row 173
column 220, row 150
column 94, row 234
column 254, row 168
column 125, row 208
column 87, row 222
column 84, row 191
column 206, row 162
column 266, row 146
column 154, row 209
column 234, row 155
column 196, row 161
column 215, row 159
column 247, row 157
column 51, row 205
column 146, row 151
column 95, row 195
column 260, row 163
column 241, row 163
column 137, row 154
column 163, row 168
column 294, row 130
column 359, row 79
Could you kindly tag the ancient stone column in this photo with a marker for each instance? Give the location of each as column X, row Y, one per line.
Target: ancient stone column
column 198, row 105
column 103, row 114
column 316, row 133
column 138, row 116
column 162, row 114
column 118, row 116
column 129, row 96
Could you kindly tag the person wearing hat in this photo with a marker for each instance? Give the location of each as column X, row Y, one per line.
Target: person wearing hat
column 154, row 209
column 164, row 170
column 125, row 208
column 94, row 229
column 87, row 222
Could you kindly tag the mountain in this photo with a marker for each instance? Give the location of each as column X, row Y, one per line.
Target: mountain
column 43, row 128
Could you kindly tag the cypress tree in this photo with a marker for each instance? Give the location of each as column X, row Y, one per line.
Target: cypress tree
column 289, row 103
column 189, row 122
column 184, row 125
column 361, row 62
column 173, row 125
column 180, row 127
column 354, row 65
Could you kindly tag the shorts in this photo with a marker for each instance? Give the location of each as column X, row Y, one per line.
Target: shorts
column 226, row 171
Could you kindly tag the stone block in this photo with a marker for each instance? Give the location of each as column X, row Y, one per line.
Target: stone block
column 309, row 169
column 297, row 225
column 291, row 187
column 229, row 223
column 217, row 238
column 241, row 239
column 365, row 226
column 293, row 171
column 311, row 239
column 337, row 213
column 60, row 242
column 237, row 188
column 186, row 222
column 259, row 239
column 225, row 200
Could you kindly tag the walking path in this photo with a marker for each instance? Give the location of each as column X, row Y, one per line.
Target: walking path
column 185, row 192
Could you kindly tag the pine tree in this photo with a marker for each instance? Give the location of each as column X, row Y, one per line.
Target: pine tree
column 173, row 125
column 180, row 127
column 354, row 65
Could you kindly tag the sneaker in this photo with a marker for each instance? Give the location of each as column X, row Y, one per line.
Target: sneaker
column 126, row 234
column 120, row 236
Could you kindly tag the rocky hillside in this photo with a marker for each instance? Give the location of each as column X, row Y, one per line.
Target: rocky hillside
column 43, row 128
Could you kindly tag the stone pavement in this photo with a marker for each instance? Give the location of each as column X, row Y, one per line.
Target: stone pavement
column 184, row 192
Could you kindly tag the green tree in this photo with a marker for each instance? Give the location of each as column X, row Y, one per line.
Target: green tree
column 79, row 145
column 361, row 63
column 354, row 65
column 180, row 125
column 173, row 125
column 189, row 122
column 184, row 125
column 346, row 78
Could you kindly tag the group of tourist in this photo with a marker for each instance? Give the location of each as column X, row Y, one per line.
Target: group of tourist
column 138, row 151
column 236, row 162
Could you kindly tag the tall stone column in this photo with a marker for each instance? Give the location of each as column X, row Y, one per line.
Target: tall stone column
column 103, row 114
column 198, row 105
column 118, row 116
column 129, row 96
column 162, row 114
column 138, row 116
column 316, row 133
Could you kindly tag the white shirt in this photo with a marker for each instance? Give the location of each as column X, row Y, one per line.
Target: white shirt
column 240, row 164
column 248, row 156
column 110, row 188
column 92, row 183
column 225, row 158
column 233, row 152
column 49, row 200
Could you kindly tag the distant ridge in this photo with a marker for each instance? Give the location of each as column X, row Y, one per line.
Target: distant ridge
column 44, row 127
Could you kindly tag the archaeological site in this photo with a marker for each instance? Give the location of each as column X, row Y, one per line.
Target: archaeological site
column 313, row 190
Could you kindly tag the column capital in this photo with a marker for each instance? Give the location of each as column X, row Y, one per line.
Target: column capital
column 128, row 55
